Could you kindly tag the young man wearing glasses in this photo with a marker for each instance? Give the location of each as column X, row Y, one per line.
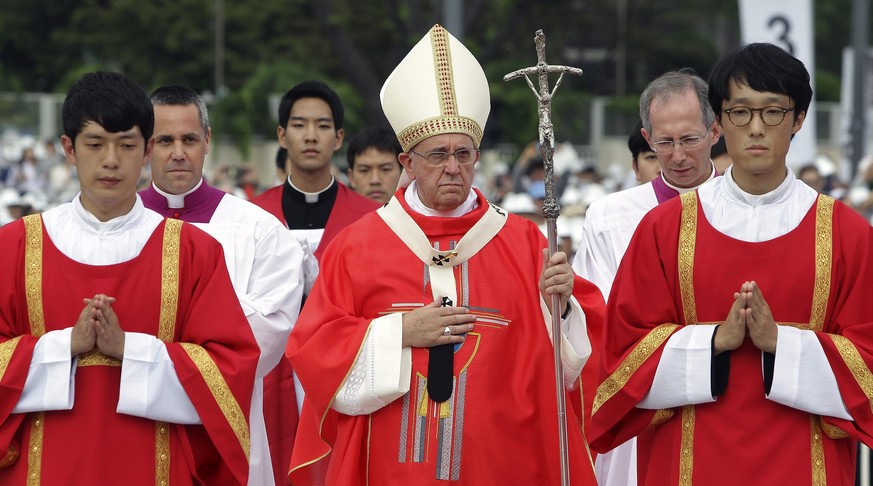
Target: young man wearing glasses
column 424, row 346
column 753, row 283
column 680, row 127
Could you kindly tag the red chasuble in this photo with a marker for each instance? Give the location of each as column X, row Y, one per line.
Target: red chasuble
column 500, row 424
column 177, row 289
column 280, row 398
column 680, row 271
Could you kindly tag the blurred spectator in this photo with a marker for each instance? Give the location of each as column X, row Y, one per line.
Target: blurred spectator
column 374, row 168
column 247, row 181
column 644, row 160
column 809, row 174
column 25, row 175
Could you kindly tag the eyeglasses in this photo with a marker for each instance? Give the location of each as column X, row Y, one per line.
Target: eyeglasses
column 463, row 156
column 688, row 143
column 772, row 116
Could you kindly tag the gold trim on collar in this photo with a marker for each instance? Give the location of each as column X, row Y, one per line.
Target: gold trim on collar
column 824, row 229
column 33, row 273
column 653, row 340
column 687, row 242
column 221, row 393
column 169, row 280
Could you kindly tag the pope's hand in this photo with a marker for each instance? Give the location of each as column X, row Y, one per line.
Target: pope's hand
column 426, row 326
column 556, row 278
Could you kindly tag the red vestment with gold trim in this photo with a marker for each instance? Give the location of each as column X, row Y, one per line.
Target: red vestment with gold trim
column 499, row 426
column 741, row 438
column 91, row 443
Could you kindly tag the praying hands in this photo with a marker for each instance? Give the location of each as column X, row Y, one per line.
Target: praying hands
column 749, row 313
column 98, row 327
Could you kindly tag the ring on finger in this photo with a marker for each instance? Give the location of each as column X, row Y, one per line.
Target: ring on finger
column 447, row 331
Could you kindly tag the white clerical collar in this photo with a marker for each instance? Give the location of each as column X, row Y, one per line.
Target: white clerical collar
column 89, row 221
column 175, row 201
column 779, row 194
column 683, row 190
column 311, row 197
column 414, row 202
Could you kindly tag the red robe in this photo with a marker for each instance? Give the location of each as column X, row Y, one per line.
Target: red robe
column 680, row 271
column 207, row 337
column 348, row 207
column 499, row 426
column 280, row 398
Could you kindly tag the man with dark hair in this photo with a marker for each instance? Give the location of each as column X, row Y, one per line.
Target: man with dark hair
column 264, row 260
column 126, row 354
column 374, row 169
column 315, row 207
column 753, row 283
column 679, row 127
column 311, row 202
column 643, row 159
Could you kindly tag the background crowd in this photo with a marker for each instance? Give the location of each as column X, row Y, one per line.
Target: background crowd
column 35, row 176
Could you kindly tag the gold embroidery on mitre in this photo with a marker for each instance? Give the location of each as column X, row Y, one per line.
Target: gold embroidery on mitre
column 856, row 365
column 169, row 280
column 819, row 473
column 687, row 241
column 629, row 366
column 162, row 454
column 221, row 392
column 411, row 135
column 442, row 69
column 686, row 452
column 823, row 261
column 33, row 273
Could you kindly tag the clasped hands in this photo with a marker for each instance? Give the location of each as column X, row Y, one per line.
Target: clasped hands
column 97, row 327
column 749, row 314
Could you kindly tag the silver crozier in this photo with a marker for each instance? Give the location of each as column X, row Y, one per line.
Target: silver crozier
column 551, row 210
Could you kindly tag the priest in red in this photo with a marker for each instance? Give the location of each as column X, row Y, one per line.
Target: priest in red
column 124, row 355
column 315, row 207
column 424, row 347
column 739, row 334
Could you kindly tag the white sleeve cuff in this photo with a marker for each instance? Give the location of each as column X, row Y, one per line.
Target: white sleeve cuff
column 802, row 376
column 50, row 383
column 683, row 376
column 382, row 371
column 150, row 387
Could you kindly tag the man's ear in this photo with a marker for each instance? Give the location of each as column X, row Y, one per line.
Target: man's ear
column 406, row 162
column 69, row 149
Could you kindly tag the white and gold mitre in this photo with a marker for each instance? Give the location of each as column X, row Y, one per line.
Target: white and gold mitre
column 439, row 87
